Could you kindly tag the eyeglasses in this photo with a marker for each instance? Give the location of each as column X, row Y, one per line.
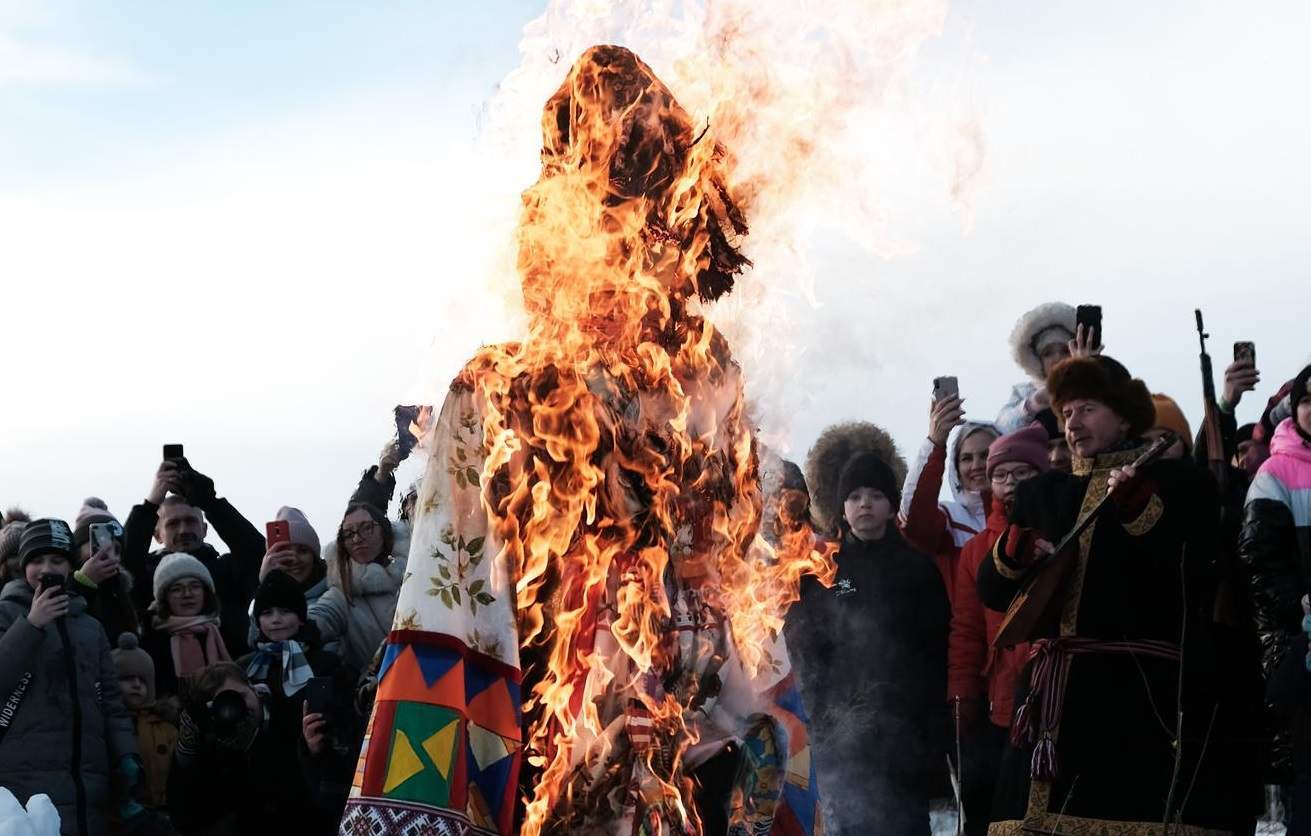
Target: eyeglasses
column 1013, row 476
column 358, row 533
column 192, row 588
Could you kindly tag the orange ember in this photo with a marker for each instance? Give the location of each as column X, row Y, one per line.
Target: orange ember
column 620, row 472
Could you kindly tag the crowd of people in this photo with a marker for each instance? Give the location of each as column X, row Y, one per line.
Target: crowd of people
column 154, row 685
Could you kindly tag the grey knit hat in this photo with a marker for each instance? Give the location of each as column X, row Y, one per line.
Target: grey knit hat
column 174, row 567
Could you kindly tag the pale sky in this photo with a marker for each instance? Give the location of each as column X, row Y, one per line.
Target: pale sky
column 252, row 229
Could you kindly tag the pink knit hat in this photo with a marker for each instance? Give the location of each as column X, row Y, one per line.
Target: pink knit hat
column 1028, row 445
column 302, row 533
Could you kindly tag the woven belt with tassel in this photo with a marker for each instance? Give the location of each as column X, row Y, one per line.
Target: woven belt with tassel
column 1051, row 668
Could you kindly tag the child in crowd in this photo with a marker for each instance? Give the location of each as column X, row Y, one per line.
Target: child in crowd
column 64, row 731
column 155, row 724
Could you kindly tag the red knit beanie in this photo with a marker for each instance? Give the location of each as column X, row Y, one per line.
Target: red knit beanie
column 1028, row 445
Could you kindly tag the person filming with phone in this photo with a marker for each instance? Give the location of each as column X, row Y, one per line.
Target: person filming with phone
column 64, row 731
column 176, row 512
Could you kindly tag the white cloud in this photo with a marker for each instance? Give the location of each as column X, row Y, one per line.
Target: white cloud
column 35, row 53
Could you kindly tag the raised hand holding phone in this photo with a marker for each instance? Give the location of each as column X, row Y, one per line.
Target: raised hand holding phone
column 1242, row 375
column 102, row 565
column 947, row 411
column 50, row 603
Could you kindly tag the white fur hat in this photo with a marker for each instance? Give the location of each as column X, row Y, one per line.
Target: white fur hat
column 174, row 567
column 1032, row 330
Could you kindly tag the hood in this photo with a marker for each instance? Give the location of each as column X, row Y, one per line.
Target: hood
column 1031, row 325
column 971, row 500
column 1287, row 442
column 836, row 446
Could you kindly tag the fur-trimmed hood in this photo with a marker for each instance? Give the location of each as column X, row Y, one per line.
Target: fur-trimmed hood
column 1032, row 325
column 830, row 453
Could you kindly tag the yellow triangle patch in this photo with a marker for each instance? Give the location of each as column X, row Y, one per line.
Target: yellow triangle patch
column 440, row 746
column 404, row 763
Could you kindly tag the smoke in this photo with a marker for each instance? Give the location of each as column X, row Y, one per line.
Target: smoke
column 831, row 132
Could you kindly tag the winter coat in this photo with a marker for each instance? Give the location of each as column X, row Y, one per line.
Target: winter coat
column 870, row 654
column 111, row 604
column 1276, row 542
column 362, row 624
column 70, row 729
column 973, row 664
column 156, row 737
column 941, row 528
column 1015, row 414
column 236, row 574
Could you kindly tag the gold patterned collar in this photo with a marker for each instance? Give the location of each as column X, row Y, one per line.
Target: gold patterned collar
column 1080, row 466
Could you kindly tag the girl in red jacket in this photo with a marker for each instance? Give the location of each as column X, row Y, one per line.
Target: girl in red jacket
column 981, row 680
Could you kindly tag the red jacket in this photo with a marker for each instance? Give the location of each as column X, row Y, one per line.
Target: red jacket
column 972, row 663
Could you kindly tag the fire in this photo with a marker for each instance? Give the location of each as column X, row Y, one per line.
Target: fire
column 620, row 470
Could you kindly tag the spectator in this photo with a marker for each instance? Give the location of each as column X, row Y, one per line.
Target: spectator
column 1170, row 419
column 1058, row 450
column 11, row 534
column 981, row 679
column 1090, row 745
column 1039, row 341
column 836, row 446
column 155, row 726
column 302, row 559
column 366, row 566
column 870, row 653
column 1243, row 444
column 101, row 580
column 69, row 736
column 225, row 778
column 287, row 658
column 1276, row 544
column 183, row 636
column 177, row 523
column 941, row 528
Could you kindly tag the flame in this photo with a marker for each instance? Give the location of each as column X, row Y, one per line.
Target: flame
column 621, row 471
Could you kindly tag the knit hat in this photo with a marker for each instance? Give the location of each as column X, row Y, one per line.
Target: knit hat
column 45, row 536
column 176, row 566
column 1301, row 389
column 302, row 533
column 1100, row 378
column 10, row 536
column 1037, row 329
column 94, row 510
column 1170, row 417
column 831, row 452
column 1027, row 445
column 867, row 470
column 278, row 589
column 131, row 660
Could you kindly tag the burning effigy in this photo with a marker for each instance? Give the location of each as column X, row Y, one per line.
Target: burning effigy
column 588, row 637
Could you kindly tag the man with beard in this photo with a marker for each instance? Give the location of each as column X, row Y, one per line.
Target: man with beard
column 175, row 513
column 1118, row 728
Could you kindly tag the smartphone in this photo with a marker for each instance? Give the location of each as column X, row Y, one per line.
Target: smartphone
column 172, row 452
column 944, row 387
column 1090, row 317
column 105, row 534
column 1245, row 351
column 52, row 580
column 405, row 417
column 278, row 531
column 318, row 694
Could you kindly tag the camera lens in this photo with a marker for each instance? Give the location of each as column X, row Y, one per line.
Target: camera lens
column 228, row 711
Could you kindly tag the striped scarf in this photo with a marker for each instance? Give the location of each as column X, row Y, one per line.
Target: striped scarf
column 296, row 671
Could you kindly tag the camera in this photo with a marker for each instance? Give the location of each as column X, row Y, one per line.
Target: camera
column 228, row 714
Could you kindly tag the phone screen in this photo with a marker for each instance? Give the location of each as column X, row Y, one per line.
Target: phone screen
column 172, row 451
column 1245, row 351
column 1090, row 317
column 104, row 534
column 318, row 694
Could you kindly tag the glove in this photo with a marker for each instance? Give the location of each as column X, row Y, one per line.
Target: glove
column 128, row 773
column 1021, row 546
column 197, row 487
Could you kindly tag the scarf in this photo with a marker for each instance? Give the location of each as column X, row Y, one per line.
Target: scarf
column 194, row 641
column 296, row 670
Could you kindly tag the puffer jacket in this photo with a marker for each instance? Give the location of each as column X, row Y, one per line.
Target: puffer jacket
column 941, row 528
column 69, row 729
column 1275, row 545
column 1276, row 542
column 974, row 667
column 358, row 627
